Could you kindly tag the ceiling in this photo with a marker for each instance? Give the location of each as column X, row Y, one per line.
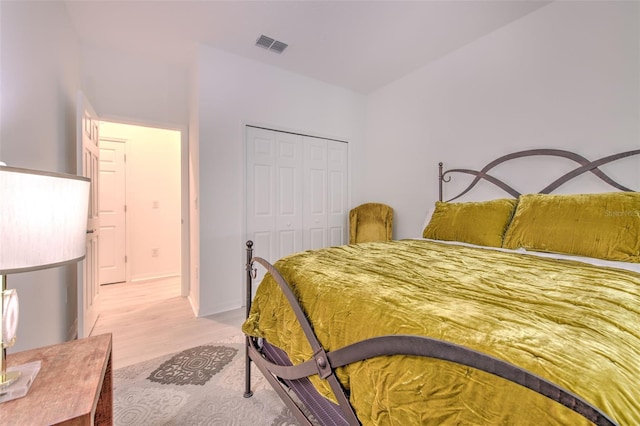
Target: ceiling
column 360, row 45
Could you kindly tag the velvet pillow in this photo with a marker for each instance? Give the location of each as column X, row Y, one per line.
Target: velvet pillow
column 482, row 223
column 604, row 226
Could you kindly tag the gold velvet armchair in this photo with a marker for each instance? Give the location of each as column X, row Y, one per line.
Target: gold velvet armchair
column 370, row 222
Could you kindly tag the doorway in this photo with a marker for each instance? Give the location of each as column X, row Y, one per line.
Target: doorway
column 140, row 193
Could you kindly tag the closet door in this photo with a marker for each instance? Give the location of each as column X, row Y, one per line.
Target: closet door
column 337, row 193
column 274, row 201
column 297, row 189
column 315, row 233
column 325, row 193
column 289, row 193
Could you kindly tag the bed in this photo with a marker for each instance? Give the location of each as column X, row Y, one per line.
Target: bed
column 519, row 310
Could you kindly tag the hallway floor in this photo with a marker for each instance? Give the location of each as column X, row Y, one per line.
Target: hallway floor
column 151, row 319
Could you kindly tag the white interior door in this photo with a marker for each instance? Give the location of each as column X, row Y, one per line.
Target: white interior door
column 112, row 242
column 274, row 203
column 337, row 193
column 274, row 188
column 297, row 192
column 315, row 193
column 325, row 193
column 88, row 166
column 261, row 197
column 289, row 201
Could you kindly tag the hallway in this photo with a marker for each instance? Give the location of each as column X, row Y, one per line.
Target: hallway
column 151, row 319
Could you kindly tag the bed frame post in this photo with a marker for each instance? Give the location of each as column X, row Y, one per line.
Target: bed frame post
column 249, row 284
column 440, row 177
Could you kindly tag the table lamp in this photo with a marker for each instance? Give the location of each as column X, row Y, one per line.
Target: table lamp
column 43, row 219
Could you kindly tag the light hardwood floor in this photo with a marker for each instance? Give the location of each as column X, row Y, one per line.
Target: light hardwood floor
column 152, row 319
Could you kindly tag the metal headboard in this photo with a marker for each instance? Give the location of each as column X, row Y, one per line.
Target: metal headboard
column 585, row 165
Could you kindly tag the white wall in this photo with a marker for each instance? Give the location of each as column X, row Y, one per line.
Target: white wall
column 565, row 76
column 40, row 78
column 134, row 88
column 153, row 198
column 232, row 92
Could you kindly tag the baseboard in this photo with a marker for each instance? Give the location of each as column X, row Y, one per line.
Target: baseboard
column 154, row 278
column 222, row 308
column 194, row 308
column 72, row 332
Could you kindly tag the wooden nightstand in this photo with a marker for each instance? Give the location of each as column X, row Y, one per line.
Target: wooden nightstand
column 74, row 386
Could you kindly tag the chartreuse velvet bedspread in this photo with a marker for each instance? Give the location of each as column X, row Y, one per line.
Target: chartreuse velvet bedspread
column 573, row 324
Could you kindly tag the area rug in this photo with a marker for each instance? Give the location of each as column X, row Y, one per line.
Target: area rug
column 199, row 386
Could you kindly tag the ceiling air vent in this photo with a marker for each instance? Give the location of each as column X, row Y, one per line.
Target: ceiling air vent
column 278, row 46
column 271, row 44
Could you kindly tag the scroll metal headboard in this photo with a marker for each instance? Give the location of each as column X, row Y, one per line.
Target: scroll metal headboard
column 585, row 166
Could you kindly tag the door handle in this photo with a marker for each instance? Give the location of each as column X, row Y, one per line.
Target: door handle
column 90, row 231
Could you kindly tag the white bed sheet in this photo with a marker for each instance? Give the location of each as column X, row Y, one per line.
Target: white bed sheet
column 634, row 267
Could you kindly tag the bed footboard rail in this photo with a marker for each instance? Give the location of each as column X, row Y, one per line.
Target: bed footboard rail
column 324, row 363
column 320, row 361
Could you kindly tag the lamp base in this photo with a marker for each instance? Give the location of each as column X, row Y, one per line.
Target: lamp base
column 26, row 374
column 9, row 379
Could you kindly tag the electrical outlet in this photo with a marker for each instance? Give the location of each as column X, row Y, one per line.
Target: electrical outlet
column 155, row 252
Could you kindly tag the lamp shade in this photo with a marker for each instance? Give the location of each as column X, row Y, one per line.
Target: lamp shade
column 43, row 219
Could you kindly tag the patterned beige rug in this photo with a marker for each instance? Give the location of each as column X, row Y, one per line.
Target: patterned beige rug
column 199, row 386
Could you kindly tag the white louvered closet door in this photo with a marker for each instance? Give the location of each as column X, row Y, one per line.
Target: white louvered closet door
column 297, row 190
